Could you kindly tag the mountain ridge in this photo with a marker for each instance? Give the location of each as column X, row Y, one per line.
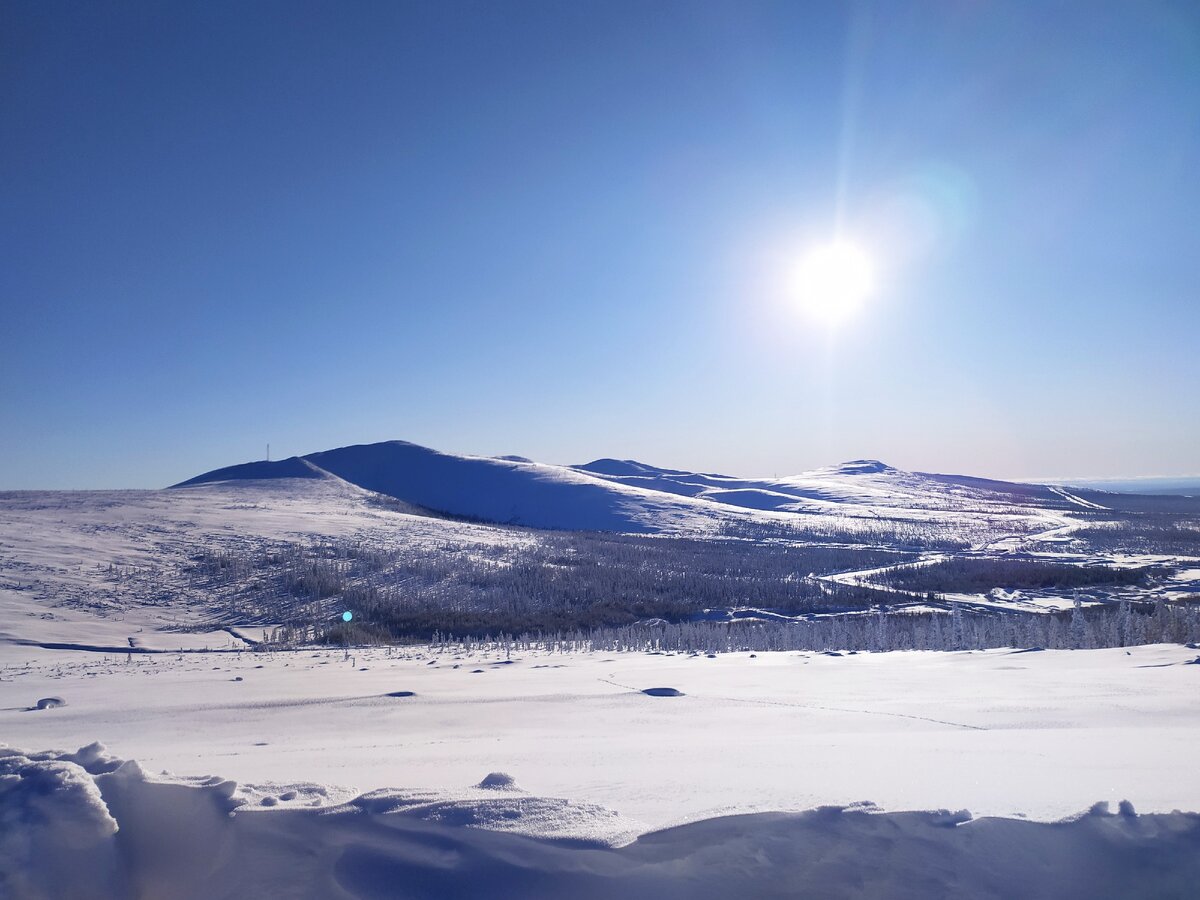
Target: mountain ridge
column 627, row 495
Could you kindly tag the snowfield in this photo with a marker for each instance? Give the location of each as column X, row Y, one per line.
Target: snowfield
column 1042, row 734
column 399, row 748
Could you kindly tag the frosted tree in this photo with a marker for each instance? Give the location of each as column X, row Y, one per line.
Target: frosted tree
column 1077, row 624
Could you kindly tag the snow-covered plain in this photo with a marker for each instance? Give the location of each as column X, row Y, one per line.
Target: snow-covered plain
column 1043, row 734
column 1021, row 735
column 374, row 771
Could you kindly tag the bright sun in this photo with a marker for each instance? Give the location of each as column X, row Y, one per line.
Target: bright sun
column 832, row 280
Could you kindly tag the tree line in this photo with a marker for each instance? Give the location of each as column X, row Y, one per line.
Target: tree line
column 1125, row 624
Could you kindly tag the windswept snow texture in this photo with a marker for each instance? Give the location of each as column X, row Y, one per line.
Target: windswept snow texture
column 86, row 825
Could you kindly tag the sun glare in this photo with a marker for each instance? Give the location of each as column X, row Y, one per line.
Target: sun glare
column 832, row 281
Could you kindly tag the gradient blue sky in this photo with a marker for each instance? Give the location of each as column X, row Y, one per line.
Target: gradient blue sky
column 563, row 230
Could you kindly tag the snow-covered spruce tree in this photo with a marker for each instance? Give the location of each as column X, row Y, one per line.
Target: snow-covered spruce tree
column 957, row 630
column 1077, row 623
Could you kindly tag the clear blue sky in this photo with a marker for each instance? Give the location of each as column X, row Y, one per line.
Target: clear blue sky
column 562, row 230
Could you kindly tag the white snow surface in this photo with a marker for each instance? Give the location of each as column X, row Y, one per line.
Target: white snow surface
column 89, row 825
column 544, row 776
column 111, row 565
column 1041, row 734
column 501, row 490
column 627, row 496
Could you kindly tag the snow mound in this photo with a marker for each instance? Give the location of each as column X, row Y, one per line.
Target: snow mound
column 85, row 825
column 497, row 804
column 252, row 796
column 1003, row 596
column 52, row 820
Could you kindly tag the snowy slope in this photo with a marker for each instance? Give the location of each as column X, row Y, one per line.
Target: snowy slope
column 72, row 559
column 861, row 483
column 625, row 495
column 509, row 490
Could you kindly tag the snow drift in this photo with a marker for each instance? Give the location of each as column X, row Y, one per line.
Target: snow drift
column 87, row 825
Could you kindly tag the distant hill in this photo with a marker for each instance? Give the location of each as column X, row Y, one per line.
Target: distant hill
column 857, row 482
column 293, row 467
column 1187, row 486
column 632, row 496
column 504, row 490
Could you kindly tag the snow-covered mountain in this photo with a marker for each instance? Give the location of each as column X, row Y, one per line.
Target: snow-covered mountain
column 857, row 482
column 630, row 496
column 501, row 490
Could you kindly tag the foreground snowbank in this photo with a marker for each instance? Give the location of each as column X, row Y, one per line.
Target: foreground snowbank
column 88, row 825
